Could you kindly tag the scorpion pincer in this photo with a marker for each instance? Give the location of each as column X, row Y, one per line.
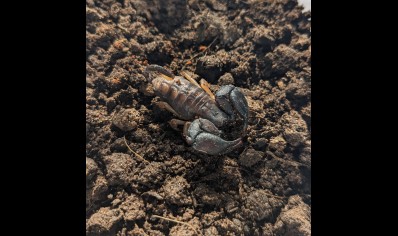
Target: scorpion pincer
column 199, row 111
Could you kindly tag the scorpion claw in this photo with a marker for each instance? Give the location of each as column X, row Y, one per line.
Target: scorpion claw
column 214, row 145
column 230, row 98
column 204, row 137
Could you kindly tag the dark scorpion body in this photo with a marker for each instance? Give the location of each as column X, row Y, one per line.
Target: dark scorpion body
column 189, row 101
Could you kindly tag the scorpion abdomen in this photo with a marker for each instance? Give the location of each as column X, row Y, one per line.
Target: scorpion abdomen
column 188, row 100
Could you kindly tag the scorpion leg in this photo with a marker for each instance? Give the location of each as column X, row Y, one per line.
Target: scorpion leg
column 230, row 99
column 204, row 137
column 189, row 77
column 167, row 107
column 203, row 83
column 205, row 86
column 174, row 123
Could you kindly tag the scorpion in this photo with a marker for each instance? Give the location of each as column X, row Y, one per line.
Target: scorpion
column 200, row 112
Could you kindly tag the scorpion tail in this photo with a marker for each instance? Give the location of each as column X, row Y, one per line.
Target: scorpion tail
column 156, row 69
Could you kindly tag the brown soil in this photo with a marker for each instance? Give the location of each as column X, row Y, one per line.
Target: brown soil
column 263, row 188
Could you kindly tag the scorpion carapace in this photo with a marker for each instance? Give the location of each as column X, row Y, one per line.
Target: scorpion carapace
column 200, row 111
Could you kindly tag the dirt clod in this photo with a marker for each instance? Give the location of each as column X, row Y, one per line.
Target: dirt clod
column 133, row 209
column 209, row 67
column 229, row 227
column 277, row 143
column 119, row 167
column 127, row 119
column 295, row 218
column 226, row 79
column 250, row 157
column 207, row 196
column 259, row 205
column 263, row 37
column 151, row 174
column 104, row 222
column 176, row 190
column 91, row 169
column 296, row 129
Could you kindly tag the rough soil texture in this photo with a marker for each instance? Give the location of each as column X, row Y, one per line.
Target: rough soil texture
column 263, row 188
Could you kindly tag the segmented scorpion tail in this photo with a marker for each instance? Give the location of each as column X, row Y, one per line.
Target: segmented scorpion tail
column 156, row 69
